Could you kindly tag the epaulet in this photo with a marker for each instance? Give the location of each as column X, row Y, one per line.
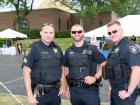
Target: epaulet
column 70, row 47
column 129, row 42
column 91, row 46
column 34, row 43
column 55, row 44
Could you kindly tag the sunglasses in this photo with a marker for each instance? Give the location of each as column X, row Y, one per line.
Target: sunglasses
column 113, row 32
column 74, row 32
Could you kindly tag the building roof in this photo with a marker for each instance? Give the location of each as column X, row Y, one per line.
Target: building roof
column 54, row 4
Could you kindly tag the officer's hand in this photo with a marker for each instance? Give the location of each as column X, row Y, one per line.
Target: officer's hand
column 123, row 94
column 62, row 91
column 109, row 92
column 89, row 80
column 67, row 94
column 32, row 100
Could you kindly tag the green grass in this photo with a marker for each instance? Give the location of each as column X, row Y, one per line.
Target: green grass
column 6, row 99
column 64, row 42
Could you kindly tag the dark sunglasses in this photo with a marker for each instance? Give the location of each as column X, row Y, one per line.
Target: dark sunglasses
column 114, row 31
column 74, row 32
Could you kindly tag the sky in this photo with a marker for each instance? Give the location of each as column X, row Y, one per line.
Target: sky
column 4, row 9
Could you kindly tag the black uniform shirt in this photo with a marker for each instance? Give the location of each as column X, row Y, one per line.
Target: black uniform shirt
column 96, row 54
column 32, row 54
column 128, row 51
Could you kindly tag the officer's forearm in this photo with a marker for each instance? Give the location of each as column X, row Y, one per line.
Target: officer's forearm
column 99, row 72
column 64, row 83
column 63, row 78
column 134, row 79
column 27, row 80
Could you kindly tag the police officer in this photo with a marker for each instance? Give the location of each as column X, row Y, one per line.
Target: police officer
column 122, row 68
column 80, row 67
column 42, row 68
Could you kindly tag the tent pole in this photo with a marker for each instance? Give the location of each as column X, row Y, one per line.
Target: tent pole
column 6, row 41
column 11, row 42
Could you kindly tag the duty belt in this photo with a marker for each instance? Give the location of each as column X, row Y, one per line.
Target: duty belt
column 41, row 89
column 80, row 83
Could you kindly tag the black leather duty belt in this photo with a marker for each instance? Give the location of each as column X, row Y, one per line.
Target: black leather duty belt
column 80, row 83
column 40, row 89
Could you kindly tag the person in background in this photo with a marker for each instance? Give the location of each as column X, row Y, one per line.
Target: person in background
column 19, row 48
column 105, row 51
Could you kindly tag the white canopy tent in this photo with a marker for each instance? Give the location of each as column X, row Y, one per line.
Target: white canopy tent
column 99, row 32
column 9, row 33
column 130, row 24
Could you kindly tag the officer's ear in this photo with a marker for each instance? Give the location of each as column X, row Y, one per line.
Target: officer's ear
column 40, row 33
column 83, row 31
column 122, row 30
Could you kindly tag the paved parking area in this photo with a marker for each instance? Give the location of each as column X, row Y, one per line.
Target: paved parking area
column 11, row 75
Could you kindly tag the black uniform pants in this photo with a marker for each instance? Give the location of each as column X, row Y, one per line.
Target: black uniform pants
column 116, row 100
column 50, row 98
column 85, row 96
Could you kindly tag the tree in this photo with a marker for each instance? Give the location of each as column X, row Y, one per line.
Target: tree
column 22, row 9
column 94, row 7
column 86, row 7
column 1, row 3
column 125, row 7
column 134, row 7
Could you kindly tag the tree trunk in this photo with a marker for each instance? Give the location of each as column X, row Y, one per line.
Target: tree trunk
column 81, row 22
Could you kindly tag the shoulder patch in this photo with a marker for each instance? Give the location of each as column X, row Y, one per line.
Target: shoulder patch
column 55, row 50
column 133, row 49
column 25, row 60
column 28, row 50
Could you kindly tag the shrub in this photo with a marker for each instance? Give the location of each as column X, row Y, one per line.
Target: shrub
column 62, row 34
column 35, row 33
column 31, row 33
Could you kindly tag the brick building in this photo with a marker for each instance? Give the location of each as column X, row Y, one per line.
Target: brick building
column 61, row 19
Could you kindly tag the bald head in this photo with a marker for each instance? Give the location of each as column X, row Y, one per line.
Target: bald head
column 113, row 22
column 46, row 25
column 115, row 31
column 75, row 26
